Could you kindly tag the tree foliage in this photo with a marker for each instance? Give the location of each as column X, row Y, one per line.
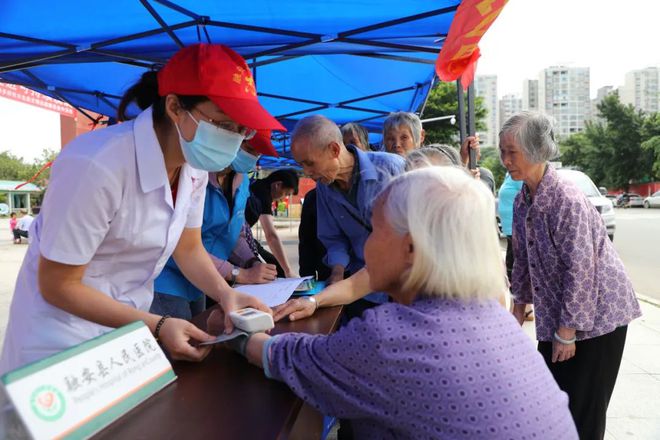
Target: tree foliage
column 16, row 168
column 443, row 101
column 490, row 158
column 620, row 147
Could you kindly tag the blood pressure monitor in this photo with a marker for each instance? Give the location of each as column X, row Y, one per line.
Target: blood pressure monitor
column 252, row 320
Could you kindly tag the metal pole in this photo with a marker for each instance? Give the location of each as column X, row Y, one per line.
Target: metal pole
column 461, row 111
column 471, row 124
column 428, row 93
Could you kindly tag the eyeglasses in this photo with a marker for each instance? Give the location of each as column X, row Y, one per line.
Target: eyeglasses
column 247, row 133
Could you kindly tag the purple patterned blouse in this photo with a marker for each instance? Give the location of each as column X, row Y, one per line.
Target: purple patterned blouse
column 435, row 369
column 566, row 265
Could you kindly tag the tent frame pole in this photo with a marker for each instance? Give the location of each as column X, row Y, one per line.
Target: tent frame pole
column 162, row 23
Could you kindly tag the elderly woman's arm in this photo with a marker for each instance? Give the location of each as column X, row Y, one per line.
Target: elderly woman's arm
column 575, row 240
column 521, row 287
column 343, row 292
column 326, row 371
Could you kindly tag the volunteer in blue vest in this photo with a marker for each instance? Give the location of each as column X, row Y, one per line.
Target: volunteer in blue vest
column 224, row 217
column 122, row 200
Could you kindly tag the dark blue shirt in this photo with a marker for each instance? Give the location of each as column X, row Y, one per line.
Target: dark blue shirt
column 343, row 228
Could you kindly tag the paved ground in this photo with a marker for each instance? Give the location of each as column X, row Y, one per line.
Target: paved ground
column 634, row 411
column 637, row 240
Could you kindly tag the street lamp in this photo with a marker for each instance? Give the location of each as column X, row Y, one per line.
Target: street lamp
column 452, row 119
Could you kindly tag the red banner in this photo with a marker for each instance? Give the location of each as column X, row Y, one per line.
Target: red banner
column 23, row 94
column 460, row 51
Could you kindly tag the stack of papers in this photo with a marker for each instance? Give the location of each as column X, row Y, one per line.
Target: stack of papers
column 274, row 293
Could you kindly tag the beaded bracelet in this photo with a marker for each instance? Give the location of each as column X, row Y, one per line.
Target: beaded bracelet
column 564, row 341
column 159, row 325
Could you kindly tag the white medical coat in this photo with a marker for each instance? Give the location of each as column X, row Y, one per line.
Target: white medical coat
column 108, row 205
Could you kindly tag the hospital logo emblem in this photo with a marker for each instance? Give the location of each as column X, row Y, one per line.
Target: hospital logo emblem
column 48, row 403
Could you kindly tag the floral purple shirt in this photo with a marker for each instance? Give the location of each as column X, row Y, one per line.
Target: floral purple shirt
column 437, row 369
column 566, row 265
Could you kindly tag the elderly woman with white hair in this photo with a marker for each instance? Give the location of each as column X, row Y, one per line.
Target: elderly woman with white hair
column 434, row 154
column 567, row 267
column 403, row 134
column 444, row 360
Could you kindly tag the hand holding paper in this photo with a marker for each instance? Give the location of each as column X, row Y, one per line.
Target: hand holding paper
column 275, row 292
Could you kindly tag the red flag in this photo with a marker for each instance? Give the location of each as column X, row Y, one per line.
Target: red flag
column 460, row 51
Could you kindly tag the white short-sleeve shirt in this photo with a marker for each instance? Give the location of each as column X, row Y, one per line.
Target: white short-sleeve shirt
column 109, row 206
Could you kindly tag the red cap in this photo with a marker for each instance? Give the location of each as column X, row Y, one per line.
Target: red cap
column 262, row 143
column 222, row 75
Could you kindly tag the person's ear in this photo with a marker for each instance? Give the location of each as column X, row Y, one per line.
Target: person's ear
column 173, row 108
column 410, row 249
column 335, row 149
column 422, row 136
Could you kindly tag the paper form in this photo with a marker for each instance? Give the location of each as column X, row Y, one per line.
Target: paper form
column 274, row 293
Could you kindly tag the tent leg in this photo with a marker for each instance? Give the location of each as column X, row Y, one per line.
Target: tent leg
column 472, row 124
column 461, row 111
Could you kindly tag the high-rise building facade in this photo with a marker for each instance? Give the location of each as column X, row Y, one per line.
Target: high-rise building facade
column 509, row 106
column 600, row 95
column 485, row 86
column 641, row 89
column 564, row 95
column 530, row 98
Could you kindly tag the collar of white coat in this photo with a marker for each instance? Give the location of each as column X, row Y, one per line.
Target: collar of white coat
column 148, row 154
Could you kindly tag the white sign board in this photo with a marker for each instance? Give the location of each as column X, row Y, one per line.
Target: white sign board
column 78, row 392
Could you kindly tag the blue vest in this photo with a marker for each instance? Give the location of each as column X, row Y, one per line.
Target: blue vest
column 220, row 231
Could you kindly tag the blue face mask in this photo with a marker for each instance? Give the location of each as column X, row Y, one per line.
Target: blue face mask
column 212, row 148
column 244, row 161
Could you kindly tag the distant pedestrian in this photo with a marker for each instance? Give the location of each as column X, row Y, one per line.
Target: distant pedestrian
column 12, row 224
column 22, row 227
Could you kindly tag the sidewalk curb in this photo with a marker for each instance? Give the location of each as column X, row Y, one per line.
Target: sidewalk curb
column 648, row 299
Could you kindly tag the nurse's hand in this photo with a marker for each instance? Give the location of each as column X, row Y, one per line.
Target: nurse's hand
column 175, row 334
column 235, row 300
column 258, row 274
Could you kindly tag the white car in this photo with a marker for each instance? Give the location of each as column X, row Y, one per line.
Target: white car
column 652, row 201
column 602, row 203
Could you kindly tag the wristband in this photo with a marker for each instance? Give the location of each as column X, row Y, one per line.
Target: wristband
column 239, row 343
column 159, row 325
column 564, row 341
column 313, row 301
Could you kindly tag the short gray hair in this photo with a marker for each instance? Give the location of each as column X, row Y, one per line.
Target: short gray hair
column 318, row 130
column 449, row 216
column 533, row 131
column 360, row 132
column 410, row 120
column 434, row 154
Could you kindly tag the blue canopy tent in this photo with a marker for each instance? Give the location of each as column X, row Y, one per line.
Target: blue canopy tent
column 347, row 60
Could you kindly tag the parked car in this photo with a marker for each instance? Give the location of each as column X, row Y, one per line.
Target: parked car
column 629, row 200
column 652, row 201
column 602, row 204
